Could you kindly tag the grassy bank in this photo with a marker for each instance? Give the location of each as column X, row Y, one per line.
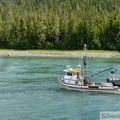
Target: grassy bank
column 59, row 53
column 91, row 51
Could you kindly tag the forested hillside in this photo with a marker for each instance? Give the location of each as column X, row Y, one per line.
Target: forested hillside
column 60, row 24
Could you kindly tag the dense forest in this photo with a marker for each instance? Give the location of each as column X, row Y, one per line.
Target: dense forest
column 60, row 24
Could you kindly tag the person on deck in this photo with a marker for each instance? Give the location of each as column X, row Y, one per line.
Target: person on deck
column 85, row 81
column 78, row 76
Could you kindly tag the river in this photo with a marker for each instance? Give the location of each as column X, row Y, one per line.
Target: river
column 29, row 90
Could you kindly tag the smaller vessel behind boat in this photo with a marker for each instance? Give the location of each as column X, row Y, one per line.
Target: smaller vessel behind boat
column 77, row 79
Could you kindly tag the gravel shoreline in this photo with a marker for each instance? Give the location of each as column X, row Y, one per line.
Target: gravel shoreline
column 58, row 54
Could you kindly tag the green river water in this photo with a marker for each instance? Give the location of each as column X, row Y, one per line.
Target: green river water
column 29, row 90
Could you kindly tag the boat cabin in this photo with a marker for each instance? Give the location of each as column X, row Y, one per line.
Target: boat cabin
column 72, row 73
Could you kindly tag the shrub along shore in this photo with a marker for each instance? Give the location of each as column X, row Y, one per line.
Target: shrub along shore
column 56, row 53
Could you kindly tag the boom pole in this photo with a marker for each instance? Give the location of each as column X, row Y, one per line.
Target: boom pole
column 113, row 70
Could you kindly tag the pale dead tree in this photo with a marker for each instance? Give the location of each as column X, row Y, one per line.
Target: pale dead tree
column 57, row 28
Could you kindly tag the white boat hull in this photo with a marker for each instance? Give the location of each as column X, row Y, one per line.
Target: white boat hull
column 115, row 90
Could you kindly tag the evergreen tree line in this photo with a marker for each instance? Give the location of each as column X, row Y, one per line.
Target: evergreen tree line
column 60, row 24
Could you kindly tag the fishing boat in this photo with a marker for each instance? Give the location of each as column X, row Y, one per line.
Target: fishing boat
column 77, row 79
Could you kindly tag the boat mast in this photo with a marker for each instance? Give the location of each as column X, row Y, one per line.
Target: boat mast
column 85, row 61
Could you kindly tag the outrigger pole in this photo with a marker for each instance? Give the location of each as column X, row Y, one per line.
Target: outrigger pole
column 84, row 66
column 113, row 70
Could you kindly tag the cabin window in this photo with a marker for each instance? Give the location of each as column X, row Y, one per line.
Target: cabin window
column 69, row 74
